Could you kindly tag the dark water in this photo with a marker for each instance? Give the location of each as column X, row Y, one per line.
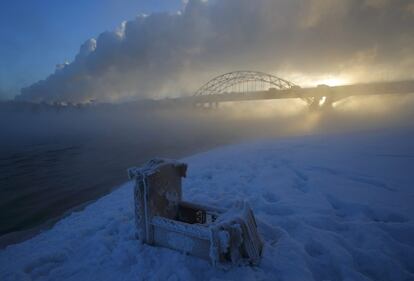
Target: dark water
column 41, row 182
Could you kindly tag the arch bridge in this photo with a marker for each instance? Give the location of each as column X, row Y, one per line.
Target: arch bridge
column 254, row 85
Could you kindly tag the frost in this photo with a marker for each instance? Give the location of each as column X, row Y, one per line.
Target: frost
column 181, row 242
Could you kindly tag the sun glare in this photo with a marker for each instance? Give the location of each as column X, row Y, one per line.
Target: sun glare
column 315, row 80
column 331, row 81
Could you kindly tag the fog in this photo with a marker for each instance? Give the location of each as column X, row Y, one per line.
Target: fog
column 136, row 124
column 232, row 120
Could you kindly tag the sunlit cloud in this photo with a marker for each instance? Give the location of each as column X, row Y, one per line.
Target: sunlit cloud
column 170, row 54
column 332, row 81
column 305, row 80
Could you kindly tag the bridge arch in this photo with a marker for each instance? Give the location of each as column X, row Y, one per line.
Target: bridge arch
column 244, row 81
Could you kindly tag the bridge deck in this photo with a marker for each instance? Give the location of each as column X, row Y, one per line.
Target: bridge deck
column 332, row 93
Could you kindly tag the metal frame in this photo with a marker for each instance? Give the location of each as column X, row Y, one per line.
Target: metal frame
column 221, row 83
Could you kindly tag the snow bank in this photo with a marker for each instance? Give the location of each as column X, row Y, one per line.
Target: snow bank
column 328, row 208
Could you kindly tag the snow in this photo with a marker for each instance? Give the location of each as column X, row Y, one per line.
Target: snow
column 327, row 207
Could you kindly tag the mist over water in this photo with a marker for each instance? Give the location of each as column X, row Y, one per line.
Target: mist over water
column 53, row 161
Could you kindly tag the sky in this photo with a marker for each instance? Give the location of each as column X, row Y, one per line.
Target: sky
column 38, row 35
column 114, row 55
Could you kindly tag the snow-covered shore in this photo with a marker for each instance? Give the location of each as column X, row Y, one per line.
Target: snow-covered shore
column 328, row 207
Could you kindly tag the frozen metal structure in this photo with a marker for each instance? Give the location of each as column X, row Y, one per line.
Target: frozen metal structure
column 224, row 237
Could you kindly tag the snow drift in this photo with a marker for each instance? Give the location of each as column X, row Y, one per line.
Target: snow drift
column 328, row 207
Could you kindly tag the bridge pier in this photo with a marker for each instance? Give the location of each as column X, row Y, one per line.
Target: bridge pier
column 211, row 105
column 321, row 103
column 207, row 105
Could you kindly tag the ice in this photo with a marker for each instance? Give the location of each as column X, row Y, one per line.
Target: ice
column 181, row 242
column 327, row 207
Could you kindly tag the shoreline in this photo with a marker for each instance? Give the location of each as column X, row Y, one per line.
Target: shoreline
column 17, row 237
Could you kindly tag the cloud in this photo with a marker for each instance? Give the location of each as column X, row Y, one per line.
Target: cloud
column 162, row 55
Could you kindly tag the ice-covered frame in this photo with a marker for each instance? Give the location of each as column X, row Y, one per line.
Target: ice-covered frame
column 224, row 237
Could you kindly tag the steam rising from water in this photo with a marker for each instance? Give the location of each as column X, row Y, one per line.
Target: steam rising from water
column 53, row 161
column 231, row 121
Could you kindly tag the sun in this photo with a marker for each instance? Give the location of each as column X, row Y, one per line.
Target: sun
column 328, row 79
column 332, row 81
